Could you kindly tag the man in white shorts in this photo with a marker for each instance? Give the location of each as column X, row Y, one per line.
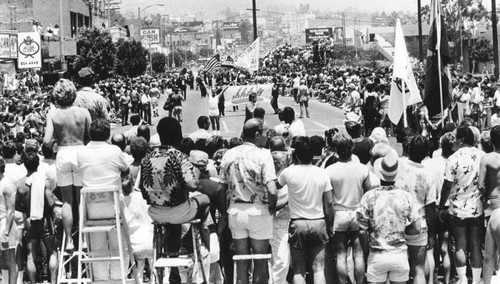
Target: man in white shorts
column 69, row 126
column 247, row 171
column 8, row 228
column 384, row 213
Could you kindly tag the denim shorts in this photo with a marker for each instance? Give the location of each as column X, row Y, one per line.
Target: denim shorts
column 305, row 233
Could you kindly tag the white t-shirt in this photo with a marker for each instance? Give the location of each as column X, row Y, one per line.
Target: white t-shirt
column 306, row 185
column 15, row 172
column 347, row 180
column 101, row 165
column 297, row 128
column 296, row 82
column 437, row 166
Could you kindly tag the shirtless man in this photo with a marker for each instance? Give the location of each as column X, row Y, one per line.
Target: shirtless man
column 489, row 185
column 69, row 126
column 8, row 238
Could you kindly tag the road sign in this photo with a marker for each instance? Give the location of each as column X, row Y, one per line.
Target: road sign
column 152, row 34
column 29, row 50
column 145, row 42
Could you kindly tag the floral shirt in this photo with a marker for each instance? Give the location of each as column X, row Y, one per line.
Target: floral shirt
column 164, row 172
column 419, row 182
column 246, row 170
column 384, row 213
column 462, row 170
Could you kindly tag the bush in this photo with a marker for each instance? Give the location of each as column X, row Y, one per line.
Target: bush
column 159, row 62
column 482, row 51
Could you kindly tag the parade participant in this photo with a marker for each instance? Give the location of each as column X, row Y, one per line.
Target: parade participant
column 68, row 125
column 176, row 105
column 87, row 98
column 146, row 107
column 463, row 103
column 154, row 93
column 250, row 106
column 460, row 188
column 124, row 102
column 200, row 84
column 8, row 228
column 414, row 178
column 275, row 96
column 247, row 172
column 213, row 112
column 202, row 132
column 303, row 98
column 387, row 214
column 349, row 180
column 490, row 187
column 295, row 86
column 311, row 212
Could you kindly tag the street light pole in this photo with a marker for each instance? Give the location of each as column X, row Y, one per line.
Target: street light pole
column 139, row 19
column 495, row 35
column 61, row 34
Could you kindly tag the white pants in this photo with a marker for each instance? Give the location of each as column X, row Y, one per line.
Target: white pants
column 281, row 250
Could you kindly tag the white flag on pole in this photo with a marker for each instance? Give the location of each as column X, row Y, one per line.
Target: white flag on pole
column 249, row 59
column 402, row 77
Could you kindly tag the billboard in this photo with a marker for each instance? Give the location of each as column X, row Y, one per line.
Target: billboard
column 317, row 33
column 152, row 34
column 230, row 26
column 29, row 50
column 13, row 46
column 4, row 46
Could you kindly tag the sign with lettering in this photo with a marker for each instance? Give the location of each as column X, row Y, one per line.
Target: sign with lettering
column 4, row 46
column 13, row 46
column 239, row 94
column 152, row 34
column 29, row 50
column 228, row 26
column 317, row 34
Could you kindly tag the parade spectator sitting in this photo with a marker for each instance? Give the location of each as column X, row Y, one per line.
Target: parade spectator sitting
column 135, row 120
column 168, row 193
column 203, row 126
column 186, row 145
column 119, row 140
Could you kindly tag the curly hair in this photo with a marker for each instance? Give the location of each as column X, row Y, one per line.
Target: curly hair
column 64, row 93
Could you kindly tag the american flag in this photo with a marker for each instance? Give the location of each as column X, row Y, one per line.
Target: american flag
column 213, row 64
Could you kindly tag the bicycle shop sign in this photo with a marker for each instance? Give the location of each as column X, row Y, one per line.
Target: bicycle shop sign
column 29, row 50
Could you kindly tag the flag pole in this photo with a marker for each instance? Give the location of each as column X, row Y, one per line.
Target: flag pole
column 438, row 33
column 405, row 115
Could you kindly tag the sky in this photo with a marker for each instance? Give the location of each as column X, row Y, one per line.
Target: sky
column 212, row 7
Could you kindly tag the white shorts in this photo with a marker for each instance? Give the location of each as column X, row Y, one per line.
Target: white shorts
column 67, row 170
column 12, row 234
column 345, row 221
column 388, row 265
column 245, row 224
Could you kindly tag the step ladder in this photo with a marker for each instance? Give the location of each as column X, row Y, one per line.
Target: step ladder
column 164, row 260
column 101, row 212
column 243, row 257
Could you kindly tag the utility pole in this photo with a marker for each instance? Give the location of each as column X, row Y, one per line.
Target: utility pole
column 254, row 12
column 495, row 35
column 420, row 41
column 61, row 35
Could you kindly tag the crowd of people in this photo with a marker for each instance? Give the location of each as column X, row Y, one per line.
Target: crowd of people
column 338, row 208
